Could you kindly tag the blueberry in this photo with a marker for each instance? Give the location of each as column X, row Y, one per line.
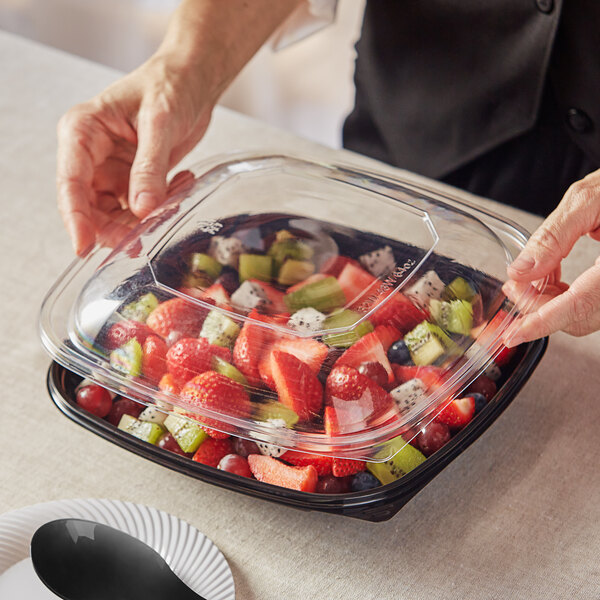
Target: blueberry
column 364, row 481
column 398, row 353
column 480, row 402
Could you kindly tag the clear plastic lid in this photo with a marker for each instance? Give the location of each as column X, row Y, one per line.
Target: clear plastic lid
column 298, row 304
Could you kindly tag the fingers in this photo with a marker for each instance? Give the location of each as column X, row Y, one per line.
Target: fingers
column 147, row 183
column 575, row 311
column 576, row 215
column 80, row 148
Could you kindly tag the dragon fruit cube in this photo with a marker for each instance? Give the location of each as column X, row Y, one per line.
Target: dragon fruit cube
column 380, row 262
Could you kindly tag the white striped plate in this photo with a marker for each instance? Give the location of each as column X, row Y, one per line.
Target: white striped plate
column 191, row 555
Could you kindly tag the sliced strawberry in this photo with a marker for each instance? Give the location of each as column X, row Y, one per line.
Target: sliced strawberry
column 270, row 470
column 330, row 421
column 387, row 335
column 211, row 451
column 310, row 352
column 356, row 283
column 154, row 358
column 335, row 264
column 311, row 279
column 367, row 349
column 187, row 358
column 220, row 351
column 177, row 316
column 355, row 397
column 432, row 377
column 249, row 347
column 504, row 356
column 341, row 467
column 302, row 459
column 296, row 384
column 218, row 393
column 168, row 385
column 123, row 331
column 218, row 294
column 458, row 413
column 395, row 309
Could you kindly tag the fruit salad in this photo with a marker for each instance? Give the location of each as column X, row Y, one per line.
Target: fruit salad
column 271, row 330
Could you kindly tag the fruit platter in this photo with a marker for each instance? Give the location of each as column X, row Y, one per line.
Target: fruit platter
column 334, row 362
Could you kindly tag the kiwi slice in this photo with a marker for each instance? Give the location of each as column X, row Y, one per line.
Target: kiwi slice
column 455, row 316
column 324, row 295
column 285, row 248
column 276, row 411
column 345, row 318
column 188, row 435
column 403, row 461
column 203, row 263
column 227, row 369
column 148, row 432
column 255, row 266
column 459, row 289
column 427, row 343
column 128, row 358
column 140, row 308
column 219, row 329
column 294, row 271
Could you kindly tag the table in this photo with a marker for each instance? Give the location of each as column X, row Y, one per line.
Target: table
column 516, row 515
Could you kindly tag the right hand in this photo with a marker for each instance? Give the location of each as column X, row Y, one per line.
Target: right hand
column 114, row 151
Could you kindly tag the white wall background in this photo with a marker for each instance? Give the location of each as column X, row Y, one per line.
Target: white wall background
column 306, row 88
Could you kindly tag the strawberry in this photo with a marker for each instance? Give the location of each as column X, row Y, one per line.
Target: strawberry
column 123, row 331
column 218, row 295
column 457, row 413
column 220, row 351
column 335, row 264
column 248, row 349
column 275, row 302
column 330, row 421
column 397, row 310
column 211, row 451
column 154, row 358
column 504, row 355
column 296, row 384
column 301, row 459
column 355, row 397
column 168, row 385
column 270, row 470
column 187, row 358
column 341, row 467
column 432, row 377
column 177, row 315
column 356, row 283
column 217, row 393
column 387, row 335
column 367, row 349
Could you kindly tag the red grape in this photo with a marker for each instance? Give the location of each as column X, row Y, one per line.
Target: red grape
column 95, row 399
column 433, row 437
column 234, row 463
column 168, row 442
column 123, row 406
column 244, row 447
column 328, row 484
column 482, row 385
column 375, row 371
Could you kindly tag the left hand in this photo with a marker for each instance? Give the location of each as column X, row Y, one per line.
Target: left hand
column 573, row 308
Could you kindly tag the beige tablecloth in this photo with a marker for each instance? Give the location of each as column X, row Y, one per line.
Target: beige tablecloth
column 517, row 515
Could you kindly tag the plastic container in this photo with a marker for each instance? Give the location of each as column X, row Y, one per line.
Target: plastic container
column 294, row 275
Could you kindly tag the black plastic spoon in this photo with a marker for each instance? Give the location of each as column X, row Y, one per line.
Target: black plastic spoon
column 84, row 560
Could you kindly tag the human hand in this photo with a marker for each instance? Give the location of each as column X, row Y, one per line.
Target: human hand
column 114, row 151
column 573, row 308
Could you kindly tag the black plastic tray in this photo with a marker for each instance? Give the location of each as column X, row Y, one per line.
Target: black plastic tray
column 379, row 504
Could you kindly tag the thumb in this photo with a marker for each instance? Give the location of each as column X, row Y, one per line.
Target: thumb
column 577, row 214
column 148, row 177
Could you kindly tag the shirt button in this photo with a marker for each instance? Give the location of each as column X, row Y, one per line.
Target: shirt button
column 545, row 6
column 578, row 121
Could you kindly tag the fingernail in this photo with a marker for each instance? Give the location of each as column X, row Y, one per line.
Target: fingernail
column 144, row 202
column 523, row 263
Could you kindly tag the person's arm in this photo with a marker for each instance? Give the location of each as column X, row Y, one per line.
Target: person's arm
column 573, row 308
column 114, row 151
